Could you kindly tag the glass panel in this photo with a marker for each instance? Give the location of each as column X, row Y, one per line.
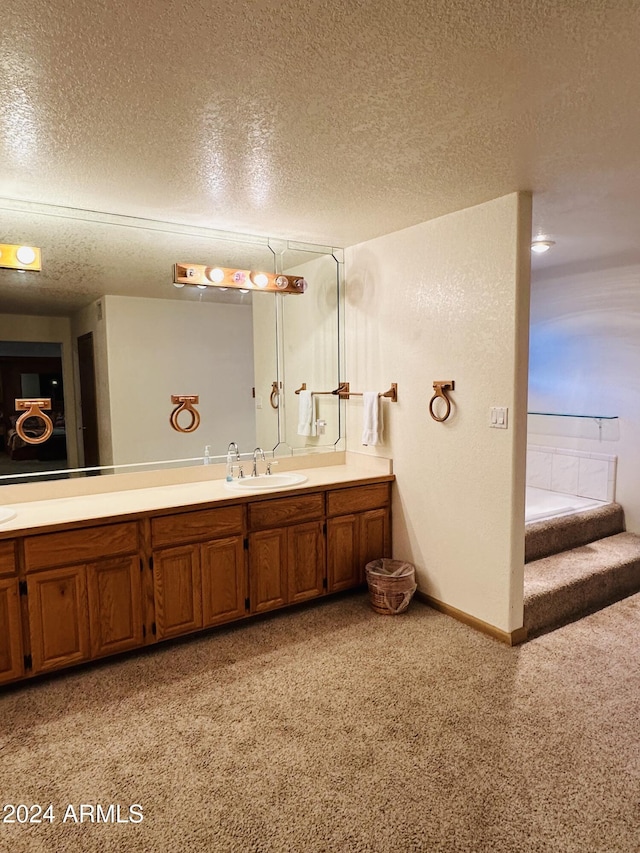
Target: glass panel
column 109, row 278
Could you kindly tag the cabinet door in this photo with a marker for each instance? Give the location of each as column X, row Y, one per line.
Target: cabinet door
column 11, row 660
column 343, row 569
column 305, row 561
column 374, row 537
column 58, row 618
column 268, row 570
column 223, row 580
column 177, row 591
column 115, row 610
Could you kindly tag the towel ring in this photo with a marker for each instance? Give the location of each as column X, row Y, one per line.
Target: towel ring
column 33, row 409
column 185, row 404
column 440, row 388
column 274, row 397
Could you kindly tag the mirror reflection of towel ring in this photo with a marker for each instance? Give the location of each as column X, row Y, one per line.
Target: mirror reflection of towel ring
column 185, row 404
column 33, row 409
column 274, row 397
column 440, row 388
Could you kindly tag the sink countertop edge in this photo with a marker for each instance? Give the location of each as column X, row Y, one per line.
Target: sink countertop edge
column 38, row 516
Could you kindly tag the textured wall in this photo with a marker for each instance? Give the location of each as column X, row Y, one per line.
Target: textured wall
column 585, row 359
column 449, row 299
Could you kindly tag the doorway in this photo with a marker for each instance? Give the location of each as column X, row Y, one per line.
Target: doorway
column 31, row 369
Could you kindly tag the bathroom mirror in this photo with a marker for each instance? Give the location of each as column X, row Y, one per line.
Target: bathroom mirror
column 106, row 288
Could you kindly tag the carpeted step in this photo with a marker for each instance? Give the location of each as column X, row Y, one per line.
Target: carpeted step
column 553, row 535
column 564, row 587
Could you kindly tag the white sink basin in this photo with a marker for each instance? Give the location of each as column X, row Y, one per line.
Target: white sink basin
column 266, row 481
column 6, row 514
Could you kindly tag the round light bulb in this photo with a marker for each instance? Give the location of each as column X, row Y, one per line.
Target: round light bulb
column 215, row 275
column 541, row 246
column 26, row 255
column 259, row 279
column 239, row 277
column 281, row 282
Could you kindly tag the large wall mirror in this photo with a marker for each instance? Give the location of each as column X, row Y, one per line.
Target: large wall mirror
column 103, row 331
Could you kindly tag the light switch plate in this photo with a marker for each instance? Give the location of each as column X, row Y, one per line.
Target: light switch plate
column 498, row 418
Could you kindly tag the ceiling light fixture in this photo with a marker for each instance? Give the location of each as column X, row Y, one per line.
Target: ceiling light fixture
column 20, row 257
column 541, row 246
column 199, row 275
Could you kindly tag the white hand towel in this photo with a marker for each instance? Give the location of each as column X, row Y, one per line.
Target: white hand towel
column 306, row 414
column 371, row 420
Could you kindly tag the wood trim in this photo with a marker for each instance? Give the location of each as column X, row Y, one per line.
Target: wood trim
column 511, row 638
column 78, row 546
column 8, row 562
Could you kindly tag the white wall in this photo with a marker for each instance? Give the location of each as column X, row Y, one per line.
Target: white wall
column 449, row 299
column 585, row 359
column 17, row 327
column 160, row 347
column 310, row 350
column 265, row 356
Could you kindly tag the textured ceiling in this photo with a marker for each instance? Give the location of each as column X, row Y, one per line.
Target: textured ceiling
column 328, row 121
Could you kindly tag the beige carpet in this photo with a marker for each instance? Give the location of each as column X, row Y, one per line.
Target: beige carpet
column 335, row 729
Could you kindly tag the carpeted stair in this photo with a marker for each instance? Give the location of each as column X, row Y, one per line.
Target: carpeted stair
column 577, row 564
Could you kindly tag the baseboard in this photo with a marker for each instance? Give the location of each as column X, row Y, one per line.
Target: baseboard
column 511, row 638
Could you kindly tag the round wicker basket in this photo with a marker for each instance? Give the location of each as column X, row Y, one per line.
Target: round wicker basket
column 392, row 584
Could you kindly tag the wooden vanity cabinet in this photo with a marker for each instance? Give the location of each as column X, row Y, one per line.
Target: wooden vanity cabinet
column 82, row 604
column 88, row 591
column 286, row 551
column 200, row 580
column 358, row 531
column 11, row 654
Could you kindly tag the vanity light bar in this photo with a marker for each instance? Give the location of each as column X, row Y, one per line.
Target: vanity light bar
column 203, row 276
column 20, row 257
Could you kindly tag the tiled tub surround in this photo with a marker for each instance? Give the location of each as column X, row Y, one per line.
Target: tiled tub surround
column 573, row 479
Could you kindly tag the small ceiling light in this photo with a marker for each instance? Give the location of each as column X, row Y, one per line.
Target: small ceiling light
column 260, row 279
column 242, row 290
column 541, row 246
column 215, row 274
column 201, row 286
column 177, row 284
column 20, row 257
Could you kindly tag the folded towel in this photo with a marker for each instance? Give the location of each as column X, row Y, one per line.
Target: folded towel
column 306, row 413
column 371, row 420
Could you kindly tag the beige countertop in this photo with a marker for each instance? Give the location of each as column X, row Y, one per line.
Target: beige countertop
column 81, row 508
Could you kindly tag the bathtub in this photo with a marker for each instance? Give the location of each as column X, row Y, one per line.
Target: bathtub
column 543, row 503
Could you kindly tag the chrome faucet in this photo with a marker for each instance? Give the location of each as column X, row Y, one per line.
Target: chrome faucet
column 254, row 470
column 233, row 452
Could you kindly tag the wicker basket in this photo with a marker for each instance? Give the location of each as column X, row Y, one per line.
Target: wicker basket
column 391, row 585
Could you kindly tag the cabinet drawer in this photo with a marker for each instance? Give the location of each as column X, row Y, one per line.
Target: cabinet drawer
column 193, row 526
column 264, row 514
column 357, row 499
column 8, row 557
column 79, row 546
